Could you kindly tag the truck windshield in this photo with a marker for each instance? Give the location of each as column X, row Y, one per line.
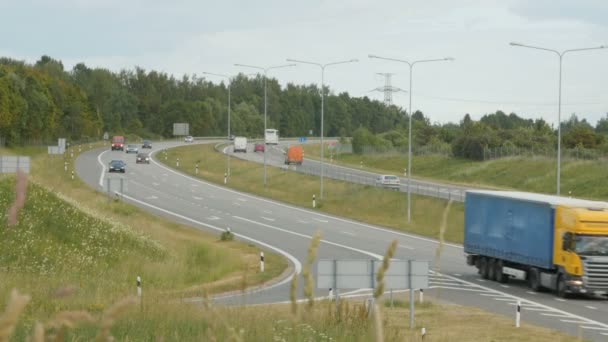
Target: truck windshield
column 591, row 245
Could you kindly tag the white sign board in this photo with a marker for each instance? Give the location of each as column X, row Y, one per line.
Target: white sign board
column 361, row 274
column 61, row 144
column 10, row 164
column 55, row 150
column 181, row 129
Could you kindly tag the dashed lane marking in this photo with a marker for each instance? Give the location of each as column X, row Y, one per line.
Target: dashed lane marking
column 197, row 198
column 406, row 247
column 348, row 233
column 591, row 307
column 560, row 299
column 320, row 220
column 267, row 218
column 555, row 315
column 213, row 218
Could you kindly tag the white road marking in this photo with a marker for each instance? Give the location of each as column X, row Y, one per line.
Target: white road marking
column 554, row 315
column 348, row 233
column 197, row 198
column 241, row 199
column 267, row 218
column 531, row 292
column 559, row 299
column 267, row 211
column 151, row 197
column 406, row 247
column 302, row 221
column 458, row 274
column 155, row 184
column 481, row 280
column 572, row 321
column 502, row 299
column 446, row 283
column 594, row 328
column 320, row 220
column 373, row 255
column 605, row 334
column 591, row 307
column 213, row 218
column 505, row 286
column 236, row 203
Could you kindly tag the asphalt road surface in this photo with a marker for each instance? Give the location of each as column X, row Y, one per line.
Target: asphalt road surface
column 287, row 230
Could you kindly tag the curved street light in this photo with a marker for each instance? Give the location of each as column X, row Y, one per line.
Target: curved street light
column 409, row 134
column 559, row 103
column 265, row 97
column 322, row 66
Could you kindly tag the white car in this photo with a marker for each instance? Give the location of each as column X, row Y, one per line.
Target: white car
column 388, row 181
column 189, row 139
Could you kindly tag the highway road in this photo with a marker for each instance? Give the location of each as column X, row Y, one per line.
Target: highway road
column 275, row 157
column 284, row 229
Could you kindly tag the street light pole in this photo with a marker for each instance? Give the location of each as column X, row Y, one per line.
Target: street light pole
column 559, row 101
column 229, row 102
column 322, row 66
column 265, row 98
column 409, row 134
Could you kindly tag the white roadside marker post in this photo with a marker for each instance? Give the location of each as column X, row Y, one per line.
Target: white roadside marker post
column 138, row 286
column 314, row 201
column 518, row 314
column 262, row 262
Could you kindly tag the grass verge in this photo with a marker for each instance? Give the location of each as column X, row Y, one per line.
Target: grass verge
column 579, row 178
column 69, row 238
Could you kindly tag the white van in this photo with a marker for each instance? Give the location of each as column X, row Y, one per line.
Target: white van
column 271, row 136
column 240, row 144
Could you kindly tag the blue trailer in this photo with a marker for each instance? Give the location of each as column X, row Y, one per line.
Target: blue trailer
column 543, row 239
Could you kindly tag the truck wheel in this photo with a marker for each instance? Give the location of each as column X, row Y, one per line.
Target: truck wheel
column 561, row 288
column 500, row 277
column 492, row 269
column 534, row 279
column 483, row 267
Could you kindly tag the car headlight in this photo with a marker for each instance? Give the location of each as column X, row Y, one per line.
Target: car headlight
column 147, row 158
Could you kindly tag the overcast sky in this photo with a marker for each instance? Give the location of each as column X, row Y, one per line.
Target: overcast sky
column 192, row 36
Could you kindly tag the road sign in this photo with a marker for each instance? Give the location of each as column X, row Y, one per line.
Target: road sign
column 361, row 274
column 10, row 164
column 302, row 140
column 181, row 129
column 106, row 136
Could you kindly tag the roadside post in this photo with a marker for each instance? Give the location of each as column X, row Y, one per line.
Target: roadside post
column 314, row 201
column 138, row 286
column 421, row 299
column 518, row 314
column 262, row 262
column 196, row 168
column 225, row 178
column 177, row 162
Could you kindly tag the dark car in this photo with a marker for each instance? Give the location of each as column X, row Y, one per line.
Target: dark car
column 117, row 166
column 147, row 144
column 258, row 148
column 142, row 158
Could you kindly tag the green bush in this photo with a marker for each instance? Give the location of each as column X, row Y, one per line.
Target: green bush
column 227, row 236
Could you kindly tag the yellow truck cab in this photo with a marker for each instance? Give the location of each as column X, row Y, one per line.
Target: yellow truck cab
column 581, row 248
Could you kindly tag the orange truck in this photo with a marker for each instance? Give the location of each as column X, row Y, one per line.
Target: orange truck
column 294, row 155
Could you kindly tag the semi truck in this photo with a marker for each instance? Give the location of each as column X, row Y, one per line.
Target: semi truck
column 554, row 243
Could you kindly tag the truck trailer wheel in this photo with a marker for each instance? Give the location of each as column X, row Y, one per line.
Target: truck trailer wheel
column 483, row 268
column 492, row 269
column 500, row 277
column 534, row 279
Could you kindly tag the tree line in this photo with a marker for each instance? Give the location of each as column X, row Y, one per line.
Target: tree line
column 42, row 101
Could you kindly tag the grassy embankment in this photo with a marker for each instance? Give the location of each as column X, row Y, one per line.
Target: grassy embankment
column 584, row 178
column 70, row 239
column 359, row 202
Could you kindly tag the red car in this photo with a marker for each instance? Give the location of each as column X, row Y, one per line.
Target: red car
column 258, row 148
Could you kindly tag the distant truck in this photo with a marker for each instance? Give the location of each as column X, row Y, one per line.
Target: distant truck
column 294, row 155
column 553, row 242
column 118, row 143
column 240, row 144
column 271, row 137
